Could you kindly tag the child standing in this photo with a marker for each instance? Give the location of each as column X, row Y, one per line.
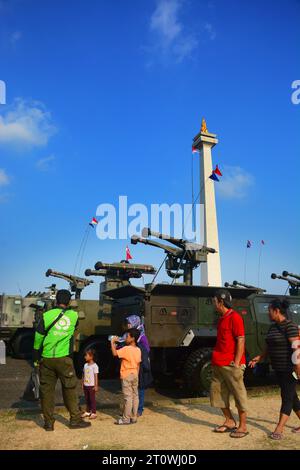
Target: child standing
column 130, row 356
column 90, row 384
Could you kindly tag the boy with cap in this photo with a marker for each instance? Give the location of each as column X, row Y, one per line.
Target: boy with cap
column 53, row 345
column 229, row 363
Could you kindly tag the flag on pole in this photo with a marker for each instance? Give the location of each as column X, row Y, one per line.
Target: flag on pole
column 195, row 150
column 217, row 171
column 249, row 244
column 214, row 177
column 93, row 222
column 128, row 254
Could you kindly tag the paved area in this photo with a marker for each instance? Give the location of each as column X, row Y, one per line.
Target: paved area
column 15, row 375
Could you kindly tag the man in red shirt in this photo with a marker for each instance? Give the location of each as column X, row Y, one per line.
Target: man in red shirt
column 229, row 364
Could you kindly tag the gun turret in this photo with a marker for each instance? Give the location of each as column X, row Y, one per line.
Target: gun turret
column 77, row 284
column 293, row 283
column 182, row 258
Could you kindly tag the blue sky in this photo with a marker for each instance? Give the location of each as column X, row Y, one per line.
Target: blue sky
column 104, row 98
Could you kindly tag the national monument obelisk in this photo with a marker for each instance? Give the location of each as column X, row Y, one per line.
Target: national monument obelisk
column 210, row 271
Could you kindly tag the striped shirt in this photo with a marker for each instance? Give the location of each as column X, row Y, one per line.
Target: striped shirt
column 279, row 347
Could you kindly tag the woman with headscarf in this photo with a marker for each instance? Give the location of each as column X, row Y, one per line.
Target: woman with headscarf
column 145, row 376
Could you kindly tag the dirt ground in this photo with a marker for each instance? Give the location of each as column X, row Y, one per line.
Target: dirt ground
column 184, row 427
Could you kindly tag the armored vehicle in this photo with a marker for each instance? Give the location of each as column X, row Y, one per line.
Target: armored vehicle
column 180, row 319
column 18, row 316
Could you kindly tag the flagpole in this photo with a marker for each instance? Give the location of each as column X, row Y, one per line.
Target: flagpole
column 245, row 264
column 259, row 264
column 80, row 248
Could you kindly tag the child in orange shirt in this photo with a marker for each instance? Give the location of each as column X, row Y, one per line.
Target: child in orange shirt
column 130, row 356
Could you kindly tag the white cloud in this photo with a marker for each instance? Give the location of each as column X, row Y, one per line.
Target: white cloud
column 4, row 178
column 26, row 124
column 235, row 183
column 169, row 32
column 45, row 164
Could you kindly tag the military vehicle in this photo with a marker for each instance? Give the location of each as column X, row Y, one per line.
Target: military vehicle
column 180, row 319
column 18, row 316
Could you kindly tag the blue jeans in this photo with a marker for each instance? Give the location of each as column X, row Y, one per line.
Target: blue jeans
column 141, row 400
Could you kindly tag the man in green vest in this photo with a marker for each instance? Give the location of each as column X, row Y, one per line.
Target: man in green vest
column 53, row 347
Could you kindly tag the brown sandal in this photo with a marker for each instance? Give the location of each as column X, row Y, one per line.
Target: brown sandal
column 226, row 429
column 238, row 434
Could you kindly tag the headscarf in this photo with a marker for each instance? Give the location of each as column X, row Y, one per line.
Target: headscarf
column 136, row 322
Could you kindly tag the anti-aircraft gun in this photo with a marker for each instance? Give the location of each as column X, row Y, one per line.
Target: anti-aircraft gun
column 181, row 258
column 77, row 284
column 292, row 279
column 116, row 275
column 237, row 284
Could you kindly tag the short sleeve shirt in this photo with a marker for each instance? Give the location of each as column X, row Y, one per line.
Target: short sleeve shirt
column 230, row 327
column 279, row 347
column 130, row 359
column 89, row 372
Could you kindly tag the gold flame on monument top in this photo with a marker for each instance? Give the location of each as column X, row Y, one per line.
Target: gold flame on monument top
column 204, row 127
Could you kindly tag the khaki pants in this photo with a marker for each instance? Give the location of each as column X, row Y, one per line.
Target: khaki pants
column 227, row 381
column 131, row 397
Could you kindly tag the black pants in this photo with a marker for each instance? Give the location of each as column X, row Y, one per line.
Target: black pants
column 90, row 398
column 289, row 397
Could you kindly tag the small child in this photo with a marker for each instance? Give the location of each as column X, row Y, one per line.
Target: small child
column 90, row 384
column 130, row 356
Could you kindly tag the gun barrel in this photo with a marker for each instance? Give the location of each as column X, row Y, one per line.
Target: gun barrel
column 125, row 267
column 168, row 249
column 286, row 274
column 147, row 232
column 69, row 277
column 292, row 282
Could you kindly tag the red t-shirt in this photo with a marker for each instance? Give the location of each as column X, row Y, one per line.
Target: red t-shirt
column 230, row 326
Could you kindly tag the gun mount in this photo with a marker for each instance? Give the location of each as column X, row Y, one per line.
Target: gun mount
column 294, row 284
column 77, row 284
column 247, row 286
column 181, row 259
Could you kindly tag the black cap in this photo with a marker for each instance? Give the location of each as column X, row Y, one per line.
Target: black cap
column 63, row 297
column 225, row 296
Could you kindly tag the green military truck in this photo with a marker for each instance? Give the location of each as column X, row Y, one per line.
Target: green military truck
column 181, row 324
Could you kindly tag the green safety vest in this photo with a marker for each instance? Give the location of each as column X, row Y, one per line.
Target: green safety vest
column 59, row 340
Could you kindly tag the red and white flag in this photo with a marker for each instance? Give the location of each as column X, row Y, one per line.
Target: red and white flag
column 93, row 222
column 128, row 254
column 195, row 150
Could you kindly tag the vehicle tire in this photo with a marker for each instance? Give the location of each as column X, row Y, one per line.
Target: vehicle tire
column 198, row 370
column 103, row 357
column 21, row 345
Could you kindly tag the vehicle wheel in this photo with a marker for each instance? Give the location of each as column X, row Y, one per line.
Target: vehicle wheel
column 22, row 345
column 198, row 371
column 103, row 358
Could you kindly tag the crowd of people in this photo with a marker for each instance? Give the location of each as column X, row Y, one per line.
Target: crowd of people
column 52, row 354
